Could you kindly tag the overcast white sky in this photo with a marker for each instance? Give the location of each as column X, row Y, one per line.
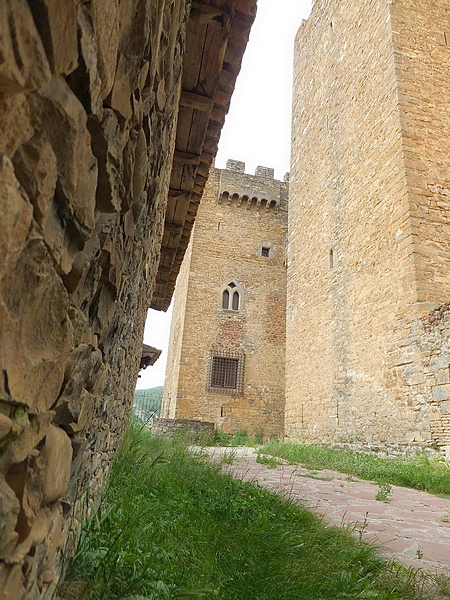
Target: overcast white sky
column 257, row 129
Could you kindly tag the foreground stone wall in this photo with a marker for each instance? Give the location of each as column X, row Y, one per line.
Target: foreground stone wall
column 240, row 215
column 369, row 222
column 88, row 103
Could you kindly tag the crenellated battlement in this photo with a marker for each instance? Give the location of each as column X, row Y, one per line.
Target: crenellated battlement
column 249, row 202
column 260, row 192
column 238, row 166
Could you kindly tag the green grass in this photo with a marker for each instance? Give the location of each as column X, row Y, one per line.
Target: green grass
column 270, row 461
column 147, row 403
column 239, row 438
column 420, row 473
column 173, row 526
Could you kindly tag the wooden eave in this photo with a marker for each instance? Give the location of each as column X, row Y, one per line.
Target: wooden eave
column 149, row 356
column 216, row 38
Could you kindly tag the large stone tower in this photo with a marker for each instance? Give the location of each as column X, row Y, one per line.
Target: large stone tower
column 369, row 242
column 226, row 360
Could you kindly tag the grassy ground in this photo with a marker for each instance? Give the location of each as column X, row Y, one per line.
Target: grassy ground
column 172, row 526
column 239, row 438
column 420, row 473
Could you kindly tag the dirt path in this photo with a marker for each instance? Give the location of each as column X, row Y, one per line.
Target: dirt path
column 414, row 526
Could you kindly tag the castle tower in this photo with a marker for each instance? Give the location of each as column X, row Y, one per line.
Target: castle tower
column 369, row 236
column 226, row 359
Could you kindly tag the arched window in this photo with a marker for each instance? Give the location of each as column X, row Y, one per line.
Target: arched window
column 225, row 299
column 231, row 297
column 235, row 301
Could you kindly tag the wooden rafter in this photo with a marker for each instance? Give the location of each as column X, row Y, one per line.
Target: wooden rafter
column 217, row 35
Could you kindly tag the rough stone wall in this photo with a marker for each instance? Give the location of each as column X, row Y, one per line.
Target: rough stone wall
column 421, row 45
column 368, row 240
column 368, row 234
column 424, row 357
column 168, row 406
column 347, row 184
column 88, row 101
column 231, row 228
column 198, row 431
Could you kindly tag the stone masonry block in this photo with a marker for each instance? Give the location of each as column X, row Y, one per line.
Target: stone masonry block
column 441, row 392
column 440, row 362
column 56, row 457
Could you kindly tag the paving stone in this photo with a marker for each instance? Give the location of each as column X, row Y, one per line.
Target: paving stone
column 409, row 527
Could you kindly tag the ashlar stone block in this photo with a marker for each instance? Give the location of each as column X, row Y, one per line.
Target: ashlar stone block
column 441, row 392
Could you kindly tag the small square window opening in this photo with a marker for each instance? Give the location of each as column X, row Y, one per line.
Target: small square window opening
column 225, row 373
column 265, row 251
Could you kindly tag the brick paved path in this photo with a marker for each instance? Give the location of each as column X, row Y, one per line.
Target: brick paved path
column 412, row 525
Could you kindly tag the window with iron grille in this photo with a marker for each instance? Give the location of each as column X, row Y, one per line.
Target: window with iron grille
column 226, row 372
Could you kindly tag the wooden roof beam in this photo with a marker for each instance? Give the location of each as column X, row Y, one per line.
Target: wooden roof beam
column 156, row 296
column 247, row 7
column 197, row 101
column 172, row 227
column 186, row 158
column 203, row 14
column 176, row 194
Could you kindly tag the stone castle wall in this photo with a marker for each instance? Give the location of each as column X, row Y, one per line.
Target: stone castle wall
column 421, row 46
column 88, row 103
column 168, row 406
column 239, row 215
column 369, row 221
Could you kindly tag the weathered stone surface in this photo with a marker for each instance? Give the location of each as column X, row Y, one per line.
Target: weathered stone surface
column 23, row 63
column 29, row 431
column 57, row 24
column 16, row 212
column 9, row 511
column 369, row 231
column 16, row 124
column 85, row 80
column 86, row 376
column 5, row 426
column 89, row 97
column 121, row 91
column 54, row 541
column 55, row 463
column 64, row 120
column 106, row 26
column 35, row 168
column 11, row 586
column 140, row 166
column 441, row 392
column 108, row 143
column 34, row 327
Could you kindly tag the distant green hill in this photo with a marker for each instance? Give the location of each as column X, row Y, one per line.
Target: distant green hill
column 147, row 403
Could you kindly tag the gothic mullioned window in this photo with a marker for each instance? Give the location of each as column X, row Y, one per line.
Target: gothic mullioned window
column 231, row 297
